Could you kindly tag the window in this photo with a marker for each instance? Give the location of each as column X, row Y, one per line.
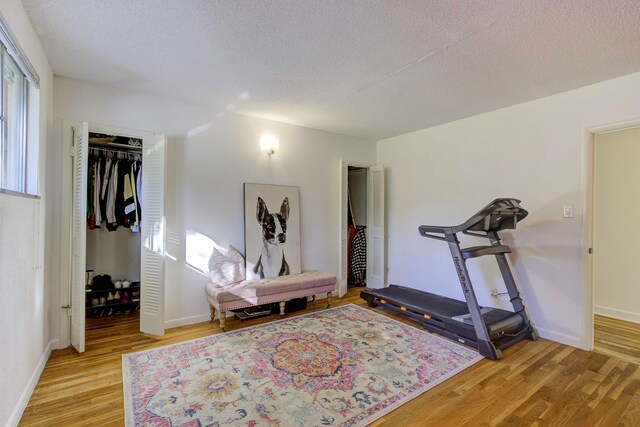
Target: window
column 19, row 116
column 13, row 113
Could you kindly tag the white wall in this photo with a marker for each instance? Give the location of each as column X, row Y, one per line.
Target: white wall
column 210, row 155
column 23, row 284
column 616, row 234
column 116, row 253
column 532, row 151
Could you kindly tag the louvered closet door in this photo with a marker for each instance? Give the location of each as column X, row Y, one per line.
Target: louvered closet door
column 153, row 236
column 344, row 232
column 376, row 228
column 79, row 234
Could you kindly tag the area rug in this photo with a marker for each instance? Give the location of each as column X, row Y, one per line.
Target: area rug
column 343, row 366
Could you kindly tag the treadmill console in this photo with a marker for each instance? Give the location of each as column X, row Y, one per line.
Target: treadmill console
column 501, row 214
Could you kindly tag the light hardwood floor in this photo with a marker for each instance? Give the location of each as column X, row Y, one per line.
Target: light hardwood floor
column 617, row 338
column 536, row 383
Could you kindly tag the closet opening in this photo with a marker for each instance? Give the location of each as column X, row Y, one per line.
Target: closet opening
column 114, row 218
column 357, row 224
column 112, row 264
column 362, row 259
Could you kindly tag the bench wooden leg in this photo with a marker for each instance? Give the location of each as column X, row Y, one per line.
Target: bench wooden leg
column 212, row 310
column 281, row 308
column 328, row 299
column 223, row 318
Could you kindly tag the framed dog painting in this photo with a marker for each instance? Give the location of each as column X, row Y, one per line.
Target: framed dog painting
column 271, row 230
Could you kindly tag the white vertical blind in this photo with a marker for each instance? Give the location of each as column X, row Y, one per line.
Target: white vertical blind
column 344, row 231
column 153, row 236
column 79, row 235
column 376, row 228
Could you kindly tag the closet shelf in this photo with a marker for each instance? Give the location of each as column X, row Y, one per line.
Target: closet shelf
column 115, row 304
column 115, row 146
column 102, row 291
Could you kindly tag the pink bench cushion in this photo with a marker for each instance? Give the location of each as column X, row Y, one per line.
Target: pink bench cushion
column 273, row 289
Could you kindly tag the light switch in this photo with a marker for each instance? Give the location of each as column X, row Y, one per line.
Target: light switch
column 567, row 211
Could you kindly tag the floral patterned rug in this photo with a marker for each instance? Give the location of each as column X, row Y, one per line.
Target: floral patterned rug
column 343, row 366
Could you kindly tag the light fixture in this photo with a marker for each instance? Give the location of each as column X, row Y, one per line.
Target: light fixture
column 269, row 143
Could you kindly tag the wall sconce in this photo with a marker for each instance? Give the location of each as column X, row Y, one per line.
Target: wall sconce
column 269, row 144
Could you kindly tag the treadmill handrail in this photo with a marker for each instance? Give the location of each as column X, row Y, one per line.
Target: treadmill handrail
column 508, row 206
column 428, row 230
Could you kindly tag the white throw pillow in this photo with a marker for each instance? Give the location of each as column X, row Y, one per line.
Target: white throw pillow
column 226, row 267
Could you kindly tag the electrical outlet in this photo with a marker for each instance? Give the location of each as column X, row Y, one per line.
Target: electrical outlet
column 494, row 293
column 567, row 211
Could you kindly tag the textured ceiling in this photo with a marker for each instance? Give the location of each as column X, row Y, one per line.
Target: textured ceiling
column 367, row 68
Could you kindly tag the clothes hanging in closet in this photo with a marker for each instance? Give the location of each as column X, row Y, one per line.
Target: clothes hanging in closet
column 350, row 235
column 358, row 256
column 113, row 189
column 119, row 208
column 111, row 197
column 132, row 182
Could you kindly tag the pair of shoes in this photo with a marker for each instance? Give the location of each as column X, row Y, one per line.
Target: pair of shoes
column 113, row 298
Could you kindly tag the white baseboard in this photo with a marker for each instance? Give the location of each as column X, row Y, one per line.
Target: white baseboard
column 617, row 314
column 14, row 419
column 571, row 340
column 199, row 318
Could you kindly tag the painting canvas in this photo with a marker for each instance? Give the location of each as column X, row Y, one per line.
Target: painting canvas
column 271, row 230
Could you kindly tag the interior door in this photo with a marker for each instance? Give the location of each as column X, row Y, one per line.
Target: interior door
column 153, row 236
column 79, row 151
column 376, row 228
column 344, row 232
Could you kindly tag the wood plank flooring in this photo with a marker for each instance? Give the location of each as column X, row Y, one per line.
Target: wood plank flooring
column 535, row 384
column 617, row 338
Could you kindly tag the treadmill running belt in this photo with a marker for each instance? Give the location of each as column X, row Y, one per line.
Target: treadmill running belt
column 451, row 313
column 422, row 302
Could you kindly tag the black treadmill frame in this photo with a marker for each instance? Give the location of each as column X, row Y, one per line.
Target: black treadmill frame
column 500, row 214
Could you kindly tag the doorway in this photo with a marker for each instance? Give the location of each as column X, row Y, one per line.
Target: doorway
column 357, row 226
column 362, row 223
column 616, row 243
column 87, row 296
column 114, row 217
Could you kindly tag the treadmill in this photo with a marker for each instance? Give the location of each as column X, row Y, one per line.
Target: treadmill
column 486, row 329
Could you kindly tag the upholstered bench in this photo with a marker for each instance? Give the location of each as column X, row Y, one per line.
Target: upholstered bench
column 248, row 293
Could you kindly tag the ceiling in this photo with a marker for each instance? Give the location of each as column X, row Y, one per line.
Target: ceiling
column 366, row 68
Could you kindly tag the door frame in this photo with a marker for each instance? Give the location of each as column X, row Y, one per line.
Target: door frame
column 66, row 202
column 342, row 287
column 588, row 177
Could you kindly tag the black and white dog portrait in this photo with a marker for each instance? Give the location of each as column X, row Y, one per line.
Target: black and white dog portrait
column 272, row 259
column 272, row 237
